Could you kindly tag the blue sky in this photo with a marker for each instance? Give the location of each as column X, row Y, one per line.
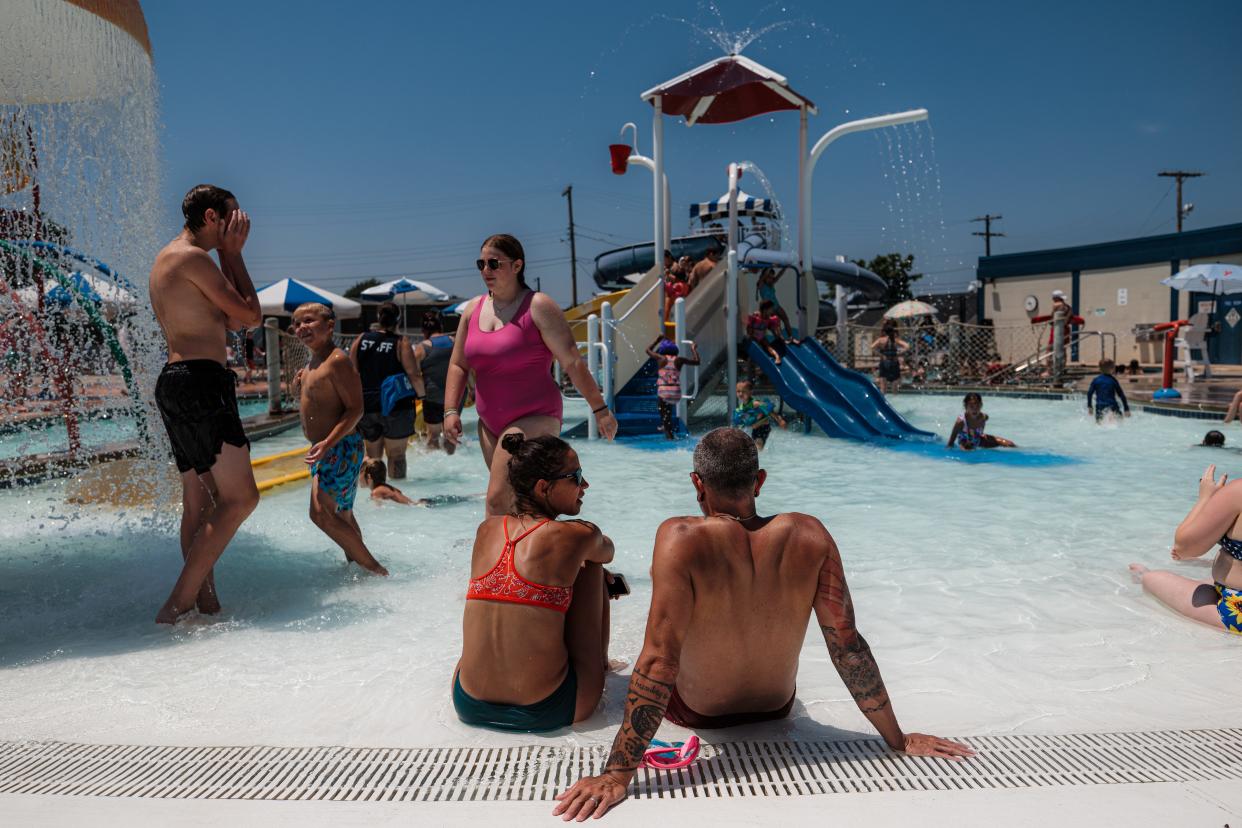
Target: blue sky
column 389, row 138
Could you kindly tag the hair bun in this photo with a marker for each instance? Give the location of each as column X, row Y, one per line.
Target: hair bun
column 512, row 443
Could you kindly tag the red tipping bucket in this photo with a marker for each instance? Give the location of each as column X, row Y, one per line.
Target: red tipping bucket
column 620, row 157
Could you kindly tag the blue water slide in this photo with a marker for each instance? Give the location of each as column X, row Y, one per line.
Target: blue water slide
column 856, row 388
column 613, row 266
column 820, row 402
column 833, row 272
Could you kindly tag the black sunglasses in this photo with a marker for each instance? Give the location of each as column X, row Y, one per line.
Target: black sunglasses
column 575, row 475
column 491, row 264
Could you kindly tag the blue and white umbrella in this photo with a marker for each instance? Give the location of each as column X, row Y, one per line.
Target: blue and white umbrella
column 1207, row 278
column 282, row 298
column 406, row 292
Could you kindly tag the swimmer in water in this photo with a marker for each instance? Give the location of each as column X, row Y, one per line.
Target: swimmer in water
column 1216, row 518
column 331, row 406
column 375, row 476
column 968, row 430
column 1213, row 439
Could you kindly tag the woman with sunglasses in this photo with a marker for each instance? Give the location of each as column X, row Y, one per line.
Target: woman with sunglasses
column 535, row 631
column 509, row 338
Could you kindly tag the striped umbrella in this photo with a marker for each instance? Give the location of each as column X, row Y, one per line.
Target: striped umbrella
column 281, row 298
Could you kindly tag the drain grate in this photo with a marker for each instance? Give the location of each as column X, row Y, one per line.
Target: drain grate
column 730, row 769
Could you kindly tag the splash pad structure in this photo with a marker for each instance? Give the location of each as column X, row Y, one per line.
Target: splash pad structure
column 78, row 172
column 726, row 90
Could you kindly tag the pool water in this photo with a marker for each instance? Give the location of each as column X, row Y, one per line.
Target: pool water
column 95, row 432
column 993, row 592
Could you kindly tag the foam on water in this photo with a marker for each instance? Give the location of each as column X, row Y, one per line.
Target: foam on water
column 994, row 594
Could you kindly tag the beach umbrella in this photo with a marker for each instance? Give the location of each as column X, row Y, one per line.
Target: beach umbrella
column 908, row 309
column 1208, row 278
column 1216, row 279
column 406, row 292
column 281, row 298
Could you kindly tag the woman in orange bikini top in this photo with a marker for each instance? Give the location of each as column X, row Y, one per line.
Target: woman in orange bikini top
column 535, row 627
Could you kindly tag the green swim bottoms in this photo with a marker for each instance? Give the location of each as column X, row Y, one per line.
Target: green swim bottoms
column 553, row 713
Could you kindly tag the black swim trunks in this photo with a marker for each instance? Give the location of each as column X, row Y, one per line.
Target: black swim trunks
column 198, row 400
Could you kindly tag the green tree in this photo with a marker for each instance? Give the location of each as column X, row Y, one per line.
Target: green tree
column 356, row 291
column 895, row 269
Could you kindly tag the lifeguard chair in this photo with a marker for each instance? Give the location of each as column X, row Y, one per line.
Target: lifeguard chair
column 1193, row 338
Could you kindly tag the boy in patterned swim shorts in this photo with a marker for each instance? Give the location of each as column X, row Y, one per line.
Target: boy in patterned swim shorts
column 331, row 405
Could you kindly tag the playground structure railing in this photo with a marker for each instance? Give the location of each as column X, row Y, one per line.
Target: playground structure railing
column 955, row 353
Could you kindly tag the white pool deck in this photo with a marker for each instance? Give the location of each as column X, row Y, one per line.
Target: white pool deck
column 1141, row 778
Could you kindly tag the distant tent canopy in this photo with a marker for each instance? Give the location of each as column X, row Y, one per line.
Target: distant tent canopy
column 747, row 205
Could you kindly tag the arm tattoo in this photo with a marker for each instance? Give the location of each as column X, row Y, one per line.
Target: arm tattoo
column 645, row 703
column 861, row 675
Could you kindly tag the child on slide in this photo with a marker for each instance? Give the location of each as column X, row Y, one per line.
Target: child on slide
column 968, row 431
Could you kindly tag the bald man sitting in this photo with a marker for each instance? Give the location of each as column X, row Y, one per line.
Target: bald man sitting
column 731, row 595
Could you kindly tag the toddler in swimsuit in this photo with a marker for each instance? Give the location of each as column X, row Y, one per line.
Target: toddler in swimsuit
column 331, row 406
column 968, row 429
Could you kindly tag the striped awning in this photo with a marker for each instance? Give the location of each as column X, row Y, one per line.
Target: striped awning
column 747, row 205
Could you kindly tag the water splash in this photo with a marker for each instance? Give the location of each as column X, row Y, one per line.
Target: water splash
column 79, row 168
column 754, row 169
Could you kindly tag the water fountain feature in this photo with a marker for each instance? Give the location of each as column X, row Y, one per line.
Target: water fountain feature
column 78, row 188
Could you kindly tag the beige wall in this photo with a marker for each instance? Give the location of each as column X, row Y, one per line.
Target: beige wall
column 1146, row 301
column 1003, row 303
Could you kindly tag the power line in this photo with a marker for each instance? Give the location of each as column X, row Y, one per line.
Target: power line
column 987, row 219
column 1183, row 210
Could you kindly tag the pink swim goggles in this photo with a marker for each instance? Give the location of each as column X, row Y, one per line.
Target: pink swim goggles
column 674, row 756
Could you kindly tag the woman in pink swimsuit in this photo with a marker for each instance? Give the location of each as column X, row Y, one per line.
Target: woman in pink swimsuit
column 509, row 338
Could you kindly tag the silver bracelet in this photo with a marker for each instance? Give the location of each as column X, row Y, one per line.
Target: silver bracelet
column 449, row 411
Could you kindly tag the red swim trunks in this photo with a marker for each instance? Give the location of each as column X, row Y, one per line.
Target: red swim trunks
column 680, row 713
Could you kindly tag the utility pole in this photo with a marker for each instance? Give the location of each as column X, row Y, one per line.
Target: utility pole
column 987, row 219
column 1183, row 210
column 568, row 192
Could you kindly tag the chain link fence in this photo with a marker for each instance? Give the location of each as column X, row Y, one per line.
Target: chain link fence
column 294, row 356
column 955, row 353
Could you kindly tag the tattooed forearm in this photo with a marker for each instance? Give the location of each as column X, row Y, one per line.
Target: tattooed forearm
column 645, row 704
column 861, row 675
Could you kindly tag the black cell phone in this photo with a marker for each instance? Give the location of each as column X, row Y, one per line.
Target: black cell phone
column 619, row 586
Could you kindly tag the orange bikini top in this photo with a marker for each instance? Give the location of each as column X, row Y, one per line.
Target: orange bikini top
column 503, row 583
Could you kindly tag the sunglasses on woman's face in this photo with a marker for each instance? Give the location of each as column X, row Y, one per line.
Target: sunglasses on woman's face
column 490, row 264
column 575, row 475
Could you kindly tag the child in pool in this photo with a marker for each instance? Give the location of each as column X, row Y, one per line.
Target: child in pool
column 1213, row 439
column 757, row 415
column 763, row 326
column 375, row 476
column 968, row 430
column 1105, row 389
column 331, row 406
column 668, row 382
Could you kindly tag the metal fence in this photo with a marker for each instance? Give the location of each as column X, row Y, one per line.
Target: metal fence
column 956, row 353
column 294, row 356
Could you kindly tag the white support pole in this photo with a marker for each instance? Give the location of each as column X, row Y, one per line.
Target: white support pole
column 679, row 334
column 731, row 309
column 593, row 367
column 647, row 164
column 608, row 328
column 657, row 196
column 808, row 171
column 271, row 347
column 806, row 279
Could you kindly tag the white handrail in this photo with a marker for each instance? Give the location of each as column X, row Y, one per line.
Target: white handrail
column 695, row 393
column 659, row 281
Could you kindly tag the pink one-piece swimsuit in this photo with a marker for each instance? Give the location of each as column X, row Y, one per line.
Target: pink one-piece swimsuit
column 512, row 370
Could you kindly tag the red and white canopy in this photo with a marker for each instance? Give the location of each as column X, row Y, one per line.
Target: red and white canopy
column 728, row 89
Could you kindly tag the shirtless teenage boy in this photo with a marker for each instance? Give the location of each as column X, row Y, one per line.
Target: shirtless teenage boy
column 331, row 406
column 196, row 304
column 731, row 596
